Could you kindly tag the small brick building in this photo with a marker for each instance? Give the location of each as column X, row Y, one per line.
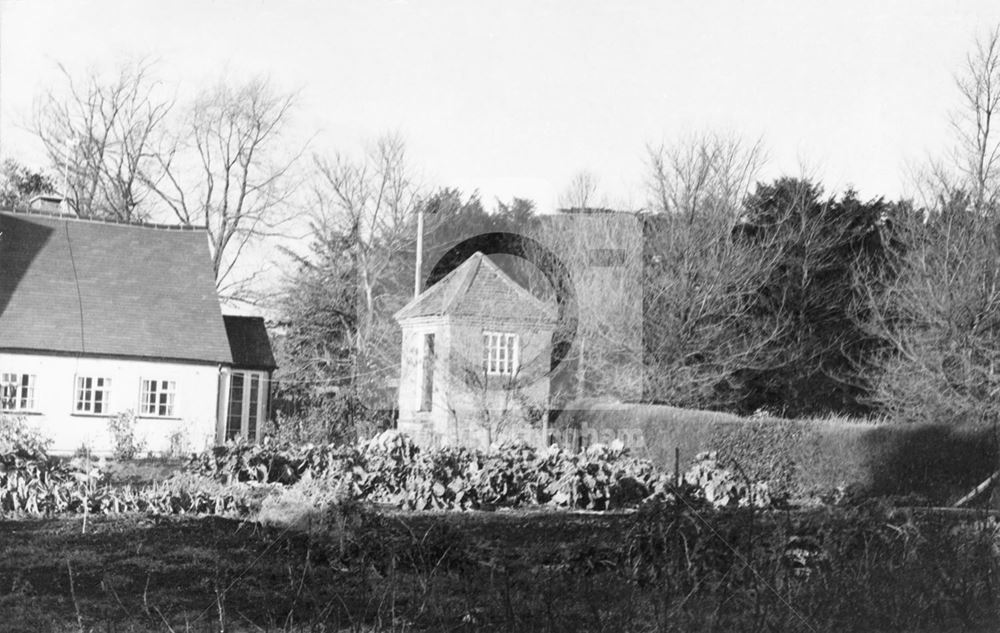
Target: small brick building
column 476, row 356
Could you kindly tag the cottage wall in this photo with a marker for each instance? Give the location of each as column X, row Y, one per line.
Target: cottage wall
column 197, row 390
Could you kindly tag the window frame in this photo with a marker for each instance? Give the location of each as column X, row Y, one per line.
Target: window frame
column 495, row 364
column 170, row 392
column 23, row 393
column 79, row 389
column 247, row 377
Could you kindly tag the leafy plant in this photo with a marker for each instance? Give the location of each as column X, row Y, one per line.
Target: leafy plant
column 122, row 427
column 16, row 433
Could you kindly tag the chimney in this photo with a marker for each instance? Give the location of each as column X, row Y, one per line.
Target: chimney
column 49, row 202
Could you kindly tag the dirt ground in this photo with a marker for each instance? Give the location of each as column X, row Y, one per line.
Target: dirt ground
column 138, row 573
column 395, row 571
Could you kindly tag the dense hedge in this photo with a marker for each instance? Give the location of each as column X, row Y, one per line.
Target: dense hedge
column 807, row 459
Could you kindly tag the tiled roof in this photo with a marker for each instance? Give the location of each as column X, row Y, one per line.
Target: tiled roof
column 478, row 288
column 78, row 286
column 249, row 343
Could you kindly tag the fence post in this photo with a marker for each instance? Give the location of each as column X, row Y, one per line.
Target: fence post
column 677, row 465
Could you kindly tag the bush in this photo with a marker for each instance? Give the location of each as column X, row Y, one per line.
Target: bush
column 341, row 418
column 807, row 459
column 122, row 429
column 17, row 434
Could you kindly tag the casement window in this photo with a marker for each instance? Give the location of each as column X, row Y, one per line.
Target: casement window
column 500, row 353
column 17, row 392
column 246, row 405
column 157, row 398
column 92, row 394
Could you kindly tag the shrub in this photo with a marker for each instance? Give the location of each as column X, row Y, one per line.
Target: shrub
column 16, row 433
column 178, row 442
column 122, row 429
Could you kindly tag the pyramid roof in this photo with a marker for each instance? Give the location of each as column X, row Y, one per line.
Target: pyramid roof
column 478, row 288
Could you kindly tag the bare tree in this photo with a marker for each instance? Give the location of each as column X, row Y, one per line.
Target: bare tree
column 707, row 172
column 939, row 312
column 370, row 203
column 229, row 169
column 977, row 156
column 970, row 170
column 940, row 315
column 702, row 326
column 581, row 192
column 101, row 135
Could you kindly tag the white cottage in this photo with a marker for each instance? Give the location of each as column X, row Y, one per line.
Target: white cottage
column 100, row 318
column 476, row 357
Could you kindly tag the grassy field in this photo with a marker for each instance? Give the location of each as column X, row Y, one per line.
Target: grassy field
column 502, row 571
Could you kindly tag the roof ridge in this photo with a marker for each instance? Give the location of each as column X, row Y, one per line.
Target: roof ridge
column 68, row 217
column 449, row 294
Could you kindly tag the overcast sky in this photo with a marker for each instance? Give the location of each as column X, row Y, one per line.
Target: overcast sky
column 513, row 97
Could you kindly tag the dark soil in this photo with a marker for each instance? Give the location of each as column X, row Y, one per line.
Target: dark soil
column 499, row 571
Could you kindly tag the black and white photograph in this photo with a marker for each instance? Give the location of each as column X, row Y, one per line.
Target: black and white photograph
column 402, row 316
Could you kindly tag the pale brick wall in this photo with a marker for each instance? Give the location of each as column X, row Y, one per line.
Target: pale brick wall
column 467, row 404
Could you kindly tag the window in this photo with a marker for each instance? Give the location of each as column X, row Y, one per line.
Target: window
column 253, row 407
column 427, row 390
column 157, row 398
column 92, row 394
column 17, row 392
column 234, row 424
column 246, row 405
column 500, row 353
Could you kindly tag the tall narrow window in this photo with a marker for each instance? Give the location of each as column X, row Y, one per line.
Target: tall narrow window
column 427, row 387
column 254, row 400
column 234, row 422
column 92, row 394
column 17, row 392
column 500, row 353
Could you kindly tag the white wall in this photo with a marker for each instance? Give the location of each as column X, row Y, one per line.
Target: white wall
column 412, row 421
column 197, row 392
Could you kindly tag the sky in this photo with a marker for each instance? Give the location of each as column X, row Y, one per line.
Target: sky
column 513, row 98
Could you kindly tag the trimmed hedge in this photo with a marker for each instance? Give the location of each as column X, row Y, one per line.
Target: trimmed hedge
column 806, row 459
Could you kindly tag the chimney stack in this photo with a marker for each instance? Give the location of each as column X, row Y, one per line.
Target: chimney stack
column 49, row 202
